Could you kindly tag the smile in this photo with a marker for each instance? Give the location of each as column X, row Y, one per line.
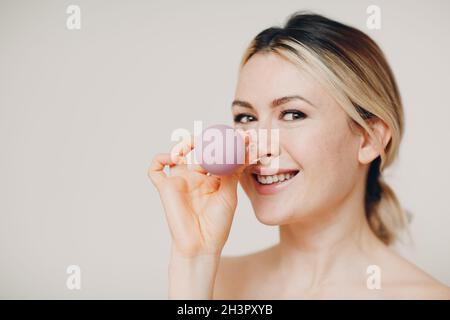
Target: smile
column 276, row 178
column 270, row 184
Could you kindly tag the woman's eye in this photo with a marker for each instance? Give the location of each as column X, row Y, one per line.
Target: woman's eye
column 243, row 118
column 290, row 115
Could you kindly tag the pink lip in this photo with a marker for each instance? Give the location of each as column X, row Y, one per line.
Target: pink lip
column 266, row 189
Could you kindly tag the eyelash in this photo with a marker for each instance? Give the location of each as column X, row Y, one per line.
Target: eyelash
column 239, row 117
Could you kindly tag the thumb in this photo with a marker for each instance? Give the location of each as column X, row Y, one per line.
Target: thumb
column 229, row 182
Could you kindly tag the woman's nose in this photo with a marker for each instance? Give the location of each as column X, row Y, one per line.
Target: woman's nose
column 268, row 145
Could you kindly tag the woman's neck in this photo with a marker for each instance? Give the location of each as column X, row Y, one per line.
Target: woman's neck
column 328, row 247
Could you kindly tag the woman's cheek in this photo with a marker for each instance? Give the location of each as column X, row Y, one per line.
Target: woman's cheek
column 333, row 159
column 317, row 151
column 302, row 145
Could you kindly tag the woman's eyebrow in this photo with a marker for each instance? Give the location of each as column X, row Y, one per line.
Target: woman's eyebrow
column 275, row 103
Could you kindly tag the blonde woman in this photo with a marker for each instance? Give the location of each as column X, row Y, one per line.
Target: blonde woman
column 330, row 92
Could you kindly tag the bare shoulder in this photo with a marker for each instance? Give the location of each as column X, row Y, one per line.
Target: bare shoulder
column 237, row 275
column 405, row 280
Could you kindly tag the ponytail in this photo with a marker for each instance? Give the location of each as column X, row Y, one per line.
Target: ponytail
column 383, row 210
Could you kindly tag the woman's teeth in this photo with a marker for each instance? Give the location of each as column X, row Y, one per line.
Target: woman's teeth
column 275, row 178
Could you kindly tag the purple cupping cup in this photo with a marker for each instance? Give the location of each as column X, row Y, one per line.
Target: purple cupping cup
column 220, row 149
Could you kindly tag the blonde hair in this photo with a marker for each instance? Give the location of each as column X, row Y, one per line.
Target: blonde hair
column 354, row 69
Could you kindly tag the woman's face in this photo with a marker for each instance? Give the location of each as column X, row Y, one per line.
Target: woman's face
column 316, row 144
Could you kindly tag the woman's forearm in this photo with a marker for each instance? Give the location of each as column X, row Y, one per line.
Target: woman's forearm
column 192, row 277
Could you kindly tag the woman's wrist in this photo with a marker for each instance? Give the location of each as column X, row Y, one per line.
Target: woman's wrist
column 192, row 277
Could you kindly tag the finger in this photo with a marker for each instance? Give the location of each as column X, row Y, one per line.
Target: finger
column 197, row 168
column 180, row 169
column 201, row 184
column 211, row 184
column 245, row 136
column 250, row 146
column 229, row 182
column 156, row 170
column 178, row 155
column 181, row 149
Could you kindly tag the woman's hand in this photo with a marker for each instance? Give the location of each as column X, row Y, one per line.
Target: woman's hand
column 199, row 207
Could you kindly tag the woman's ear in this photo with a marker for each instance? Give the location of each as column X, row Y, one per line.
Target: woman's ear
column 369, row 149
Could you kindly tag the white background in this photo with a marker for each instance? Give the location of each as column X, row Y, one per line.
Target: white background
column 83, row 112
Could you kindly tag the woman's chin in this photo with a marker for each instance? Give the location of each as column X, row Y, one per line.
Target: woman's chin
column 271, row 217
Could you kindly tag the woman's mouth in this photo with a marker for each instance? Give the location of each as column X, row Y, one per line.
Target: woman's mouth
column 270, row 184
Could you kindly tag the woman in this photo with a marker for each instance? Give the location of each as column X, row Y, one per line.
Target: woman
column 329, row 91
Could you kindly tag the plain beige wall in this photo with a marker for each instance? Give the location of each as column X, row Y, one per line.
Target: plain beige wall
column 82, row 113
